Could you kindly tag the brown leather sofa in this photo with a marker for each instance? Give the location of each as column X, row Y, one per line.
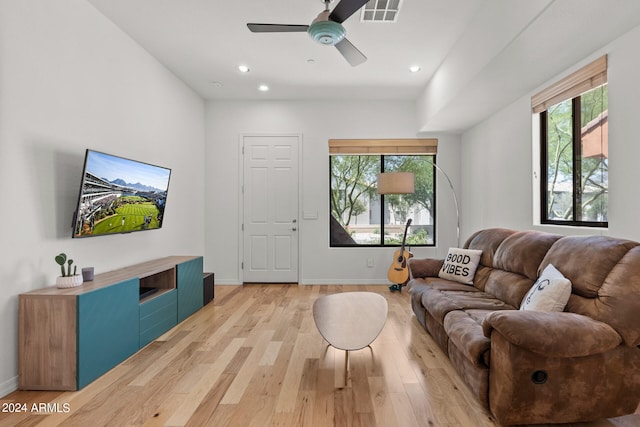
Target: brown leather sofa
column 530, row 367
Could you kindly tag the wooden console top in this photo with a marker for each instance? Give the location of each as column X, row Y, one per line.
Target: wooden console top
column 102, row 280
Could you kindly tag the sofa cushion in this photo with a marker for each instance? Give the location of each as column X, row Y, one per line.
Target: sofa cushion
column 549, row 293
column 440, row 303
column 464, row 329
column 488, row 242
column 602, row 252
column 553, row 334
column 507, row 286
column 460, row 265
column 617, row 303
column 424, row 267
column 421, row 284
column 523, row 251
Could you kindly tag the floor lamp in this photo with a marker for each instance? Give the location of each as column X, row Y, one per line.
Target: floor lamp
column 403, row 183
column 397, row 183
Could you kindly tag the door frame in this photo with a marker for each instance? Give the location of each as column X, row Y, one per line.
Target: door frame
column 241, row 209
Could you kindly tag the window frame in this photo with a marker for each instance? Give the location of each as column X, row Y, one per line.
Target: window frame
column 572, row 87
column 403, row 147
column 576, row 141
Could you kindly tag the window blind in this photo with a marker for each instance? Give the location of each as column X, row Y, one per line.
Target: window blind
column 418, row 146
column 586, row 78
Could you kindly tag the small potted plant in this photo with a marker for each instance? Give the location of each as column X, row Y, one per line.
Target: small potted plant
column 67, row 279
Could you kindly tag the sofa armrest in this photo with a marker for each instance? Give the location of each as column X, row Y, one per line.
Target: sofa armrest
column 554, row 334
column 424, row 267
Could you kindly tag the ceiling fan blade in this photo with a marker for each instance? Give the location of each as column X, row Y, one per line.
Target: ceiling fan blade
column 350, row 52
column 277, row 28
column 345, row 9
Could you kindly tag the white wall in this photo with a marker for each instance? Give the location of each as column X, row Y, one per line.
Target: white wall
column 497, row 172
column 70, row 80
column 317, row 121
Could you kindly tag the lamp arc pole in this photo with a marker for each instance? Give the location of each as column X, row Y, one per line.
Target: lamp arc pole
column 455, row 199
column 403, row 183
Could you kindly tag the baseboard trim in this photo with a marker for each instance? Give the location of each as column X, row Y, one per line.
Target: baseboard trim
column 355, row 282
column 9, row 386
column 352, row 282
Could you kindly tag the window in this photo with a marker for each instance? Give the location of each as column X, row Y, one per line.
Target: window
column 574, row 184
column 362, row 217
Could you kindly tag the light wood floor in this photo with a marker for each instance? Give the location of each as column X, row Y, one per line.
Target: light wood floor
column 254, row 357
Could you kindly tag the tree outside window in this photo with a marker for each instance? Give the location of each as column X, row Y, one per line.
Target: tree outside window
column 575, row 160
column 360, row 216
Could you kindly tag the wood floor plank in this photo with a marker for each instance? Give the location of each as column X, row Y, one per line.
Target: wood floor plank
column 291, row 382
column 422, row 408
column 360, row 382
column 205, row 384
column 344, row 412
column 381, row 401
column 240, row 383
column 270, row 353
column 323, row 408
column 208, row 406
column 163, row 413
column 404, row 413
column 229, row 318
column 253, row 357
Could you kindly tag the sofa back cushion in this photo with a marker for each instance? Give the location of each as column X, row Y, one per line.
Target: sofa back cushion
column 605, row 276
column 488, row 241
column 510, row 261
column 587, row 260
column 523, row 251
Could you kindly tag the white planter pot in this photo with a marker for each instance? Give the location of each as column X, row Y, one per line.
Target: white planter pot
column 69, row 281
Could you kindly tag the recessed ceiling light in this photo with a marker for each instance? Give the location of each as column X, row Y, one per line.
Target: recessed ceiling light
column 414, row 68
column 311, row 61
column 263, row 88
column 243, row 68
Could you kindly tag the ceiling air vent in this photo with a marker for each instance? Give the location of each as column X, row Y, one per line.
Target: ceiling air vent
column 380, row 11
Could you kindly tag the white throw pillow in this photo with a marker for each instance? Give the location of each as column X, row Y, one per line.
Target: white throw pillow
column 460, row 265
column 549, row 293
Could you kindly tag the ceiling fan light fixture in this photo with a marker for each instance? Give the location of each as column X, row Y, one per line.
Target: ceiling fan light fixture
column 327, row 32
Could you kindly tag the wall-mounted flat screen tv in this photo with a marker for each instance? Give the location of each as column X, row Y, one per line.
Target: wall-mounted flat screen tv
column 119, row 195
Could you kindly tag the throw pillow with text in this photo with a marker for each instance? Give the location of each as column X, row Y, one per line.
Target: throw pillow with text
column 460, row 265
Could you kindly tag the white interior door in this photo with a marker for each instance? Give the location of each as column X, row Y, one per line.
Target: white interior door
column 270, row 201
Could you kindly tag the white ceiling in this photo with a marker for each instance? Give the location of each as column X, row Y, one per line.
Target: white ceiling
column 467, row 49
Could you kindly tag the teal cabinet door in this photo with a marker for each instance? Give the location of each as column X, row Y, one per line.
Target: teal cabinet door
column 190, row 290
column 108, row 328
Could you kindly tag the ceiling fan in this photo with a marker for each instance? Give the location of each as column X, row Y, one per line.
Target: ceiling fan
column 326, row 29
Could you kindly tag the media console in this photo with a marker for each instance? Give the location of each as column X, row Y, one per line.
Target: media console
column 69, row 337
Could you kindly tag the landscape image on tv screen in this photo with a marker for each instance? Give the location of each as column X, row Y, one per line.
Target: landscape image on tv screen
column 120, row 195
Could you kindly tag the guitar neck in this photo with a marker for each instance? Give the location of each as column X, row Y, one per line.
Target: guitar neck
column 404, row 238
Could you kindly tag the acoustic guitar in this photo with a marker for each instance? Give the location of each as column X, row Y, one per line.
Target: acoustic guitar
column 398, row 272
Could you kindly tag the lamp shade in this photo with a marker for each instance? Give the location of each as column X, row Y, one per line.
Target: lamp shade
column 395, row 183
